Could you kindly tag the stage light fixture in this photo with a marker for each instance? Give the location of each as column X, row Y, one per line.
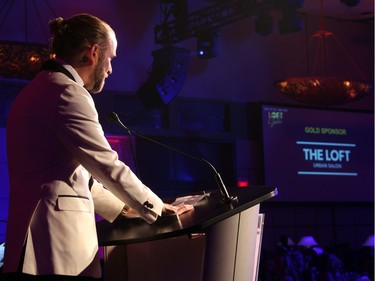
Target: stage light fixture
column 207, row 44
column 167, row 76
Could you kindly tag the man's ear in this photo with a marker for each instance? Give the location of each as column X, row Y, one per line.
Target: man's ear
column 94, row 52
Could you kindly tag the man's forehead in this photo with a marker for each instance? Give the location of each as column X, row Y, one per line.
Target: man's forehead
column 112, row 41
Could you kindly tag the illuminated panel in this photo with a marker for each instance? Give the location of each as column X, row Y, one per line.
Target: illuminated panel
column 318, row 155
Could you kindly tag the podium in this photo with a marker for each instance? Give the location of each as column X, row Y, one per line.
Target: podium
column 217, row 241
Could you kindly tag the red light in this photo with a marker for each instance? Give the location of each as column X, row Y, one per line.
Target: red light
column 242, row 183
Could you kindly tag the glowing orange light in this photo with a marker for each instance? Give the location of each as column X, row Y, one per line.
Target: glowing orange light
column 34, row 59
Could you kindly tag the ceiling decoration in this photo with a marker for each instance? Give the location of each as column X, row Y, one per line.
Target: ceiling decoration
column 21, row 59
column 323, row 89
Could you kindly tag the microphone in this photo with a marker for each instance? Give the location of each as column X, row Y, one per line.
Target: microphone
column 113, row 117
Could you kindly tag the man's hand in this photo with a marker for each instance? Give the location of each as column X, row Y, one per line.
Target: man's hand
column 168, row 209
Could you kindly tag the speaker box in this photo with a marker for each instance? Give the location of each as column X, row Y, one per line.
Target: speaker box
column 168, row 74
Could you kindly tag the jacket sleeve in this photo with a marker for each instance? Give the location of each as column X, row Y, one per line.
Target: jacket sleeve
column 106, row 204
column 77, row 124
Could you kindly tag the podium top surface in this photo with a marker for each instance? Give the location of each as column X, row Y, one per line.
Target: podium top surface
column 210, row 210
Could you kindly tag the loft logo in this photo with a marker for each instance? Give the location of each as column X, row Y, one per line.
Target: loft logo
column 275, row 117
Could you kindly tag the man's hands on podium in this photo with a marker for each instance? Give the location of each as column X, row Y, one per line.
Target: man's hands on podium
column 170, row 210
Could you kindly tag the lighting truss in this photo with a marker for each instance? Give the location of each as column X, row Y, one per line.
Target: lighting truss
column 210, row 17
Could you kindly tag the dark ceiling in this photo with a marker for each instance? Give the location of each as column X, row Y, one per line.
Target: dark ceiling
column 364, row 11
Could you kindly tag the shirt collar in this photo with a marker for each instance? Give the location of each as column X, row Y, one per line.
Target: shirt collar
column 71, row 69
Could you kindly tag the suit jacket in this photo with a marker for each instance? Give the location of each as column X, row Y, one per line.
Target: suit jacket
column 54, row 144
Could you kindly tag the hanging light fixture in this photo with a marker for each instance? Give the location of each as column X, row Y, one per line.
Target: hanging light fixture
column 21, row 60
column 323, row 89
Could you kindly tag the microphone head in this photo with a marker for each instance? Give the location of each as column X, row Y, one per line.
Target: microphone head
column 112, row 117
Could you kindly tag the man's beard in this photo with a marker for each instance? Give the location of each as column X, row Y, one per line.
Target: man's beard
column 99, row 77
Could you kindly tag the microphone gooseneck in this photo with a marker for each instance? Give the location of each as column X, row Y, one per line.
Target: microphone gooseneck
column 113, row 117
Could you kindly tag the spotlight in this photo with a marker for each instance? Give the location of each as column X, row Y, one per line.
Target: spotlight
column 207, row 44
column 350, row 3
column 168, row 74
column 263, row 25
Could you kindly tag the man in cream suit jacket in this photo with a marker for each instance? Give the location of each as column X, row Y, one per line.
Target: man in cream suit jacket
column 60, row 161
